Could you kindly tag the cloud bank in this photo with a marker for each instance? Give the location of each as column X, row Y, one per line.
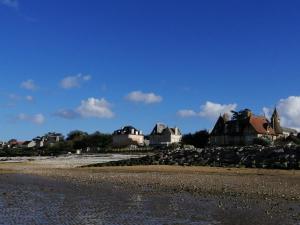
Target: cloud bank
column 209, row 110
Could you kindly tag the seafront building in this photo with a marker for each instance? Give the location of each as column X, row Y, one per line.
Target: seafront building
column 162, row 135
column 127, row 136
column 244, row 127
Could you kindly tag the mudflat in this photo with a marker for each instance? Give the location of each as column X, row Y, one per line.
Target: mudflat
column 39, row 194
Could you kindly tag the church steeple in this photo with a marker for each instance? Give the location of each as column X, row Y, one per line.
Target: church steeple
column 275, row 122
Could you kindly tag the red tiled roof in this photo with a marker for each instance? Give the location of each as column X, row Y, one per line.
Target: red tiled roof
column 261, row 125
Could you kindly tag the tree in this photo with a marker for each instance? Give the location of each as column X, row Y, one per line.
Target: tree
column 241, row 114
column 262, row 141
column 76, row 135
column 200, row 139
column 82, row 140
column 98, row 140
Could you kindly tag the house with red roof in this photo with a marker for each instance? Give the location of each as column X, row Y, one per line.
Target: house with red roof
column 244, row 127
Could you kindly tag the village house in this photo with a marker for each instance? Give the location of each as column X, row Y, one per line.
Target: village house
column 164, row 136
column 13, row 143
column 29, row 144
column 48, row 139
column 244, row 127
column 52, row 138
column 128, row 136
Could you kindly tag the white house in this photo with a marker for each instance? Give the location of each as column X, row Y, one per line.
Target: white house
column 127, row 136
column 29, row 144
column 165, row 136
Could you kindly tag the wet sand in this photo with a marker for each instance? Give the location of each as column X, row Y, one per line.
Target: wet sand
column 31, row 194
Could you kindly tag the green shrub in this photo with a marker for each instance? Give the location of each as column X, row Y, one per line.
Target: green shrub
column 262, row 141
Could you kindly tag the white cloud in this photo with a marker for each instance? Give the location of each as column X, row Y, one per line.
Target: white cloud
column 214, row 110
column 94, row 107
column 74, row 81
column 187, row 113
column 90, row 108
column 67, row 114
column 14, row 98
column 29, row 85
column 29, row 98
column 147, row 98
column 38, row 119
column 289, row 112
column 10, row 3
column 209, row 110
column 267, row 112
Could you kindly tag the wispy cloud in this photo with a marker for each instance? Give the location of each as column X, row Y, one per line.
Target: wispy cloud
column 14, row 99
column 187, row 113
column 29, row 85
column 37, row 119
column 76, row 81
column 89, row 108
column 67, row 114
column 209, row 110
column 29, row 98
column 147, row 98
column 10, row 3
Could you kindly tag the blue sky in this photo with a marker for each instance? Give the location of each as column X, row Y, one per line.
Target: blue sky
column 99, row 65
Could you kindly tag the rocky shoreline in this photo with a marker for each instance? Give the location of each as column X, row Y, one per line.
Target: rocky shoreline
column 275, row 157
column 136, row 194
column 84, row 196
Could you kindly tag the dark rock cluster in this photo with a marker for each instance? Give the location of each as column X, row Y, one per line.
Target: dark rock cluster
column 279, row 157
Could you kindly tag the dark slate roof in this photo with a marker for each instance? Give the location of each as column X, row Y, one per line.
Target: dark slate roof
column 126, row 130
column 160, row 129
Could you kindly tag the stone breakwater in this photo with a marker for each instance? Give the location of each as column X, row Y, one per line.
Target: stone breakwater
column 279, row 157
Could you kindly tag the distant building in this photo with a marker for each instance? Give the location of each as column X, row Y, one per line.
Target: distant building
column 53, row 137
column 50, row 138
column 164, row 136
column 13, row 143
column 29, row 144
column 245, row 127
column 128, row 136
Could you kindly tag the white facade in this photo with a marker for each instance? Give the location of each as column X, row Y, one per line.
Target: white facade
column 165, row 136
column 128, row 136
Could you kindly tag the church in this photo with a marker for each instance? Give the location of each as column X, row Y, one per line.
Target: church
column 244, row 127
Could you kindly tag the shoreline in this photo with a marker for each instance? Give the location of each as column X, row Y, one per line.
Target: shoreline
column 254, row 183
column 163, row 194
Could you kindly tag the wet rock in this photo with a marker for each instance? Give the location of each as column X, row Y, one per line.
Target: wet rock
column 287, row 157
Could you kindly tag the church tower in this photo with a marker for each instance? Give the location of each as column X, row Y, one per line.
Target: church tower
column 275, row 122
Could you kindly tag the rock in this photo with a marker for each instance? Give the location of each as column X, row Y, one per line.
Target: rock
column 249, row 156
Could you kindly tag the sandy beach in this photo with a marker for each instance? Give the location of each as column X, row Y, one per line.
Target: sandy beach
column 34, row 193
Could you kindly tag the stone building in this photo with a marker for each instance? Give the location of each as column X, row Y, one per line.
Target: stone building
column 164, row 136
column 244, row 127
column 127, row 136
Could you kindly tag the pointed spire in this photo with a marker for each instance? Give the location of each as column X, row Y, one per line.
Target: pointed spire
column 275, row 122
